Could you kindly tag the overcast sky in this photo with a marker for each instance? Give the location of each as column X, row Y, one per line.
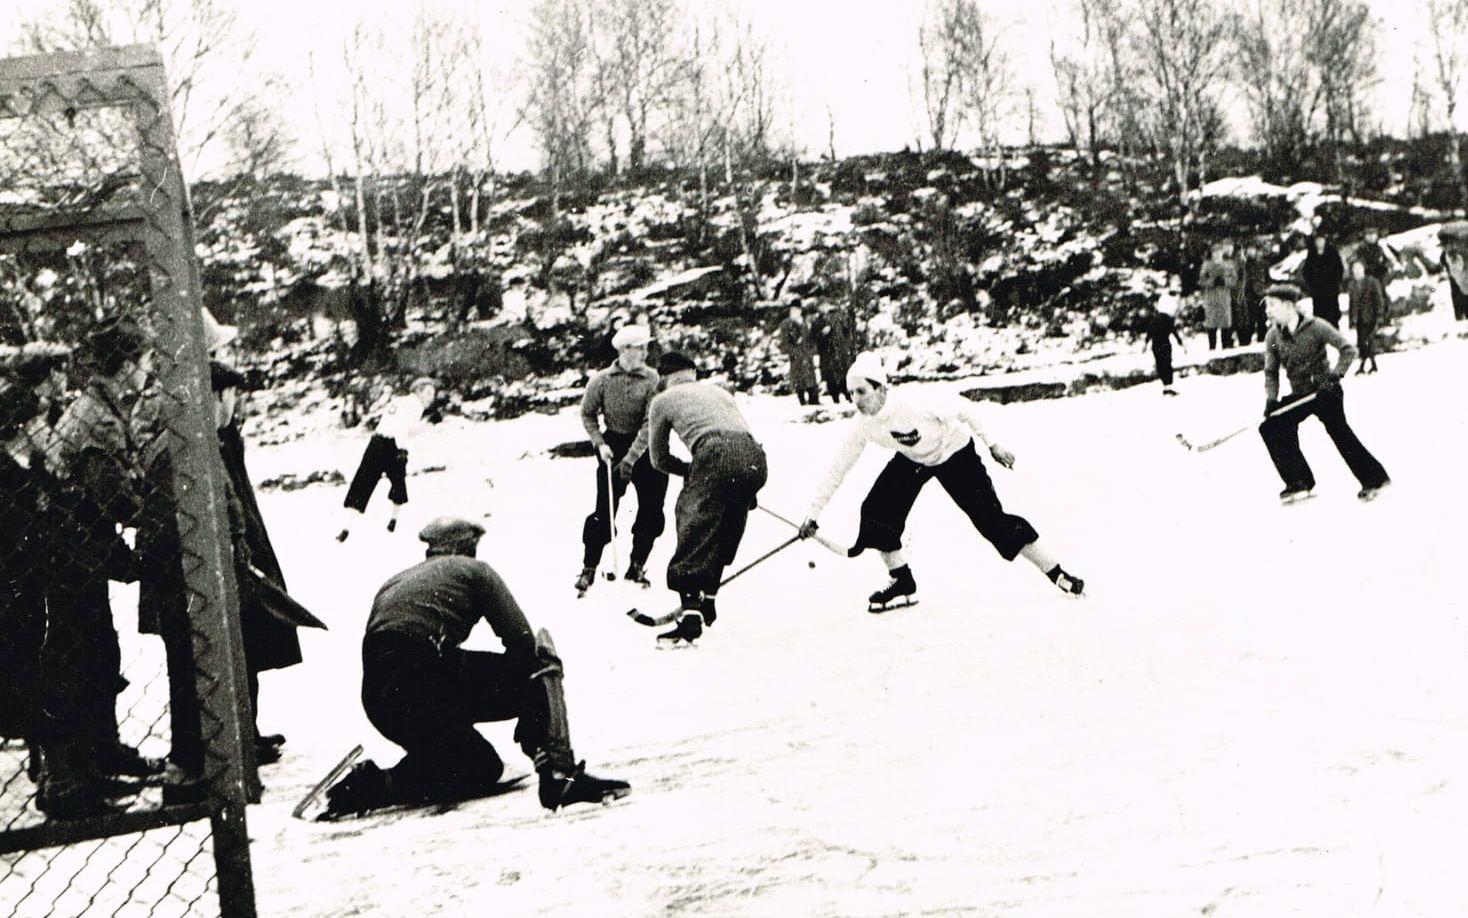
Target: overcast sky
column 855, row 57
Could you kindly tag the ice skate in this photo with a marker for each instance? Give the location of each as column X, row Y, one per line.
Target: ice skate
column 392, row 525
column 584, row 581
column 708, row 610
column 1295, row 494
column 899, row 593
column 1372, row 493
column 558, row 789
column 342, row 536
column 1068, row 583
column 636, row 574
column 688, row 630
column 363, row 788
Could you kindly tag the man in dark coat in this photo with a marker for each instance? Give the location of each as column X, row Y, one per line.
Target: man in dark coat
column 835, row 334
column 424, row 692
column 795, row 340
column 1322, row 273
column 1256, row 281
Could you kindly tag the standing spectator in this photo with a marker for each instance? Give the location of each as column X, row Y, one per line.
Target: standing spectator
column 1322, row 273
column 618, row 396
column 1454, row 261
column 719, row 485
column 1161, row 332
column 1255, row 282
column 795, row 340
column 1298, row 344
column 1239, row 308
column 386, row 456
column 1217, row 281
column 1368, row 306
column 99, row 488
column 1374, row 257
column 835, row 334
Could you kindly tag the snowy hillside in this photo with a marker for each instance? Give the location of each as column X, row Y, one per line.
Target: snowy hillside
column 1258, row 711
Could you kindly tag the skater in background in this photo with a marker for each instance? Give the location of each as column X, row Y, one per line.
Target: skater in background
column 1298, row 344
column 835, row 336
column 1217, row 281
column 719, row 485
column 618, row 397
column 1322, row 272
column 1367, row 309
column 1161, row 332
column 424, row 692
column 933, row 437
column 795, row 340
column 386, row 455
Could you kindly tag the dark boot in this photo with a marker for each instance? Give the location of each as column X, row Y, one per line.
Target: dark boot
column 363, row 788
column 560, row 788
column 900, row 591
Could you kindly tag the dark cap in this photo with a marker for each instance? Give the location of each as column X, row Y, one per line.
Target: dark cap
column 450, row 530
column 118, row 336
column 672, row 362
column 1284, row 292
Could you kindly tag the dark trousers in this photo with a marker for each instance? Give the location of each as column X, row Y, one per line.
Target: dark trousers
column 1460, row 301
column 886, row 507
column 1281, row 435
column 427, row 700
column 1327, row 308
column 836, row 388
column 381, row 457
column 727, row 472
column 1162, row 356
column 1228, row 337
column 1366, row 342
column 1243, row 333
column 652, row 490
column 809, row 396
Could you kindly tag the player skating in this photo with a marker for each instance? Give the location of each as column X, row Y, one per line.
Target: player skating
column 423, row 691
column 386, row 455
column 933, row 435
column 1298, row 344
column 719, row 485
column 619, row 396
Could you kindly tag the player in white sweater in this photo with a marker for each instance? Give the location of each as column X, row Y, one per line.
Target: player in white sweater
column 933, row 435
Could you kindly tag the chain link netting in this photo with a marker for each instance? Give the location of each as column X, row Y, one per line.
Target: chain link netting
column 122, row 693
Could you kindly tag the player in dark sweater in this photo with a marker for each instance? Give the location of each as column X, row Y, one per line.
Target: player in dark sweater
column 1161, row 332
column 423, row 691
column 1298, row 345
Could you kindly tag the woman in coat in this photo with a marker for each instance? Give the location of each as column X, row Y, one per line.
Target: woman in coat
column 795, row 340
column 1217, row 282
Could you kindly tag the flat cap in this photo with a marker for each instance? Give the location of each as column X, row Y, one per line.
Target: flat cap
column 1284, row 292
column 450, row 529
column 631, row 336
column 672, row 362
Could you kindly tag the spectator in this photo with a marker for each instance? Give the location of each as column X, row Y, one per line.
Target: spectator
column 1368, row 306
column 1255, row 282
column 1322, row 274
column 835, row 334
column 795, row 340
column 1161, row 332
column 1217, row 280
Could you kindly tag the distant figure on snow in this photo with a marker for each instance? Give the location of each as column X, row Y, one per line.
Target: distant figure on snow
column 1368, row 307
column 795, row 340
column 1298, row 344
column 1161, row 332
column 386, row 455
column 933, row 437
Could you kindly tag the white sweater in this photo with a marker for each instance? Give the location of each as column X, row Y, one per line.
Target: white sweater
column 926, row 427
column 400, row 417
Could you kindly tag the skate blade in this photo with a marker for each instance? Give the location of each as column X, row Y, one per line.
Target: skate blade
column 879, row 608
column 675, row 643
column 1300, row 499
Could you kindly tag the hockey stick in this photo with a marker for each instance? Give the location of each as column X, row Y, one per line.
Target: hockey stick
column 652, row 621
column 612, row 519
column 828, row 544
column 1204, row 447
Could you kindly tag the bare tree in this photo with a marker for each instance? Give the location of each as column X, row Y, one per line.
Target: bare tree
column 641, row 66
column 940, row 44
column 562, row 100
column 1182, row 60
column 985, row 78
column 1447, row 23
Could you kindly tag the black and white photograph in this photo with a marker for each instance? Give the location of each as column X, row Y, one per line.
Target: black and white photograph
column 733, row 458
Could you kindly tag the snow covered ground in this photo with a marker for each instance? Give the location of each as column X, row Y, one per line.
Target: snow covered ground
column 1257, row 711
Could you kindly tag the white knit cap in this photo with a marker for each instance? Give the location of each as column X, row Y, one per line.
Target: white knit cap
column 866, row 366
column 631, row 336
